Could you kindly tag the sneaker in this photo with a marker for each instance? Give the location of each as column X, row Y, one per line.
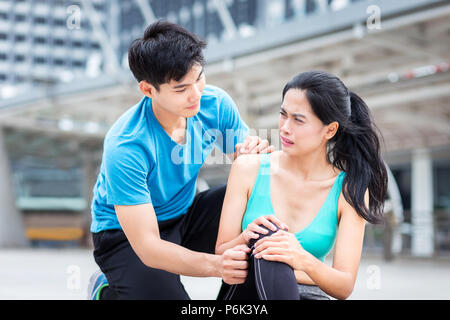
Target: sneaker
column 96, row 283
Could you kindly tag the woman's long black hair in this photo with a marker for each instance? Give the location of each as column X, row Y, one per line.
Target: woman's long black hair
column 355, row 148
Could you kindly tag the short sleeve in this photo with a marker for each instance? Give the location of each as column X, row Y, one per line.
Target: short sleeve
column 126, row 174
column 232, row 127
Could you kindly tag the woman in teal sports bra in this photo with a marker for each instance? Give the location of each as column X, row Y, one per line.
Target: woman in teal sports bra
column 293, row 206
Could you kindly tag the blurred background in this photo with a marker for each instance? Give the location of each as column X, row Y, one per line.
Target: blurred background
column 64, row 80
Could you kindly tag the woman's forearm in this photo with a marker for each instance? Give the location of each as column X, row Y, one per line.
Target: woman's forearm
column 336, row 283
column 221, row 248
column 303, row 278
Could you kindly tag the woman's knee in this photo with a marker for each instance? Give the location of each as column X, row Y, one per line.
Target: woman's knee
column 274, row 280
column 261, row 236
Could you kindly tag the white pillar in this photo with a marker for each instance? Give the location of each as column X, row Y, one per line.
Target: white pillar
column 12, row 232
column 422, row 204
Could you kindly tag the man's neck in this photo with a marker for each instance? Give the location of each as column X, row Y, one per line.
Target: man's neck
column 174, row 125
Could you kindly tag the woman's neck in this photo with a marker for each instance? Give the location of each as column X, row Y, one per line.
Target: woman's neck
column 311, row 167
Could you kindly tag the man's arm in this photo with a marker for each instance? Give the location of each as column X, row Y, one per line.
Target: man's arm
column 141, row 228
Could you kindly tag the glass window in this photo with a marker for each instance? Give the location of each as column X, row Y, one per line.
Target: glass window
column 58, row 42
column 20, row 37
column 58, row 62
column 39, row 60
column 40, row 20
column 59, row 22
column 441, row 213
column 77, row 63
column 77, row 44
column 40, row 40
column 20, row 18
column 442, row 186
column 402, row 176
column 19, row 58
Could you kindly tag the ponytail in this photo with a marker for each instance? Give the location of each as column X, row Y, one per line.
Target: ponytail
column 356, row 150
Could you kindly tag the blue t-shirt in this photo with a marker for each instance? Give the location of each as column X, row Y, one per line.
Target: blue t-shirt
column 142, row 164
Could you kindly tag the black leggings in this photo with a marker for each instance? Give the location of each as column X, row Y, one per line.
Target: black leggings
column 266, row 280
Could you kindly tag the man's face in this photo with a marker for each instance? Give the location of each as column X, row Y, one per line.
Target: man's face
column 182, row 97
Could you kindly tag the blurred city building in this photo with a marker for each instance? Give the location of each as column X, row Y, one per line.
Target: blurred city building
column 64, row 80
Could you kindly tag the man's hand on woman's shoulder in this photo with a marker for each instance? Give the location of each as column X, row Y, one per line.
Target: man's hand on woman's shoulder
column 253, row 144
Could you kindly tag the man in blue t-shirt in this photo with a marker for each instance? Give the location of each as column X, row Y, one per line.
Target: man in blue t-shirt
column 148, row 224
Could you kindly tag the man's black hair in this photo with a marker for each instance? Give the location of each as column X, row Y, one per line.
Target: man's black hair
column 166, row 52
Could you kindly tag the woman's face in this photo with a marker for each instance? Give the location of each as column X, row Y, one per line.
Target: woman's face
column 301, row 131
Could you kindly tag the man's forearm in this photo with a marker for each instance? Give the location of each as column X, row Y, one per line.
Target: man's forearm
column 176, row 259
column 220, row 249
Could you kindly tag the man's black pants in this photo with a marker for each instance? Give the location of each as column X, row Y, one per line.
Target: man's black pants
column 129, row 278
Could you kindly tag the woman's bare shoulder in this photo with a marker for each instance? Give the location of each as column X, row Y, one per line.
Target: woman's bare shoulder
column 253, row 160
column 248, row 161
column 246, row 167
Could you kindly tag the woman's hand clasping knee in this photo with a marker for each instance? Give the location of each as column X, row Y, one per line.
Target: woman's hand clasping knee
column 255, row 229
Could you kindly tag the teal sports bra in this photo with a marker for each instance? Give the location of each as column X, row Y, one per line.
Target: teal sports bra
column 319, row 236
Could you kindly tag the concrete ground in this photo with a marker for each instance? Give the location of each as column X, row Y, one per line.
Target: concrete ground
column 64, row 274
